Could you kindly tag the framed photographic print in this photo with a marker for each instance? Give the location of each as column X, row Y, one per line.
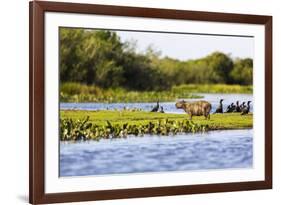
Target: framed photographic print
column 138, row 102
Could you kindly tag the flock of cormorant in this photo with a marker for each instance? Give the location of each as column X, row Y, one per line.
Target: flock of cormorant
column 243, row 109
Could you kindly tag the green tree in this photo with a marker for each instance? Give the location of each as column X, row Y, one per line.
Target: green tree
column 242, row 72
column 220, row 66
column 98, row 57
column 84, row 52
column 71, row 64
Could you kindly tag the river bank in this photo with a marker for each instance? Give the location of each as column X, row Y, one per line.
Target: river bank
column 75, row 92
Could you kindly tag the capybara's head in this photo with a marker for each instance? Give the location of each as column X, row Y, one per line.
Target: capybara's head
column 180, row 104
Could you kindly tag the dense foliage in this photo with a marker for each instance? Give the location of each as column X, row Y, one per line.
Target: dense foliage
column 100, row 58
column 82, row 129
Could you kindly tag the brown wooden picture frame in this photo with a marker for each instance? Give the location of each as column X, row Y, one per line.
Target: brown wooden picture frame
column 37, row 193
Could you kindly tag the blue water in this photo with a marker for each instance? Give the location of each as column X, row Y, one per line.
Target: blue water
column 201, row 151
column 169, row 107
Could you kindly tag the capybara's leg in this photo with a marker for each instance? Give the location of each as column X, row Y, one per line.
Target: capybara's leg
column 205, row 113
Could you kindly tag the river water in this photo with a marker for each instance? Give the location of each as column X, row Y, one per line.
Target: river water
column 211, row 150
column 201, row 151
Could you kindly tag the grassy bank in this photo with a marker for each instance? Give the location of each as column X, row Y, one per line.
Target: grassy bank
column 77, row 125
column 213, row 88
column 75, row 92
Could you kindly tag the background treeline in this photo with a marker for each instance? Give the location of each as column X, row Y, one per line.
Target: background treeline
column 100, row 58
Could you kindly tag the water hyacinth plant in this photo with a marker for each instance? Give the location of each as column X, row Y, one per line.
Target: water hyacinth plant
column 82, row 129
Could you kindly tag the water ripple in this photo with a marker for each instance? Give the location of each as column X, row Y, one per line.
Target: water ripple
column 212, row 150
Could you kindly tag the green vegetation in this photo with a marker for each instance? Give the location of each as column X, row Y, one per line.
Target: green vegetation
column 75, row 92
column 95, row 66
column 74, row 125
column 99, row 58
column 212, row 88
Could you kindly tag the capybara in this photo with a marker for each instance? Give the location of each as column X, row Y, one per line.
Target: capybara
column 197, row 108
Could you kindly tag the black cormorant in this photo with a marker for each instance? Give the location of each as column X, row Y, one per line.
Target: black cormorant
column 230, row 108
column 238, row 109
column 162, row 109
column 233, row 107
column 220, row 108
column 155, row 109
column 246, row 109
column 242, row 106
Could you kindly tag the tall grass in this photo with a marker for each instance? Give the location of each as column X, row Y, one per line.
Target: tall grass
column 75, row 92
column 212, row 88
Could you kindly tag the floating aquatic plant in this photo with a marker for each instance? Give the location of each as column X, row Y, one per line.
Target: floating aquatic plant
column 82, row 129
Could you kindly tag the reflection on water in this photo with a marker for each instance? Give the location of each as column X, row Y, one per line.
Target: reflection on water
column 168, row 106
column 212, row 150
